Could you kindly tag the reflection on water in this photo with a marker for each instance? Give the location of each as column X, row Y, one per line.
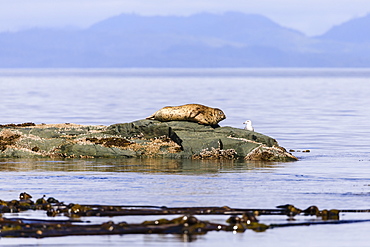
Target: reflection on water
column 133, row 165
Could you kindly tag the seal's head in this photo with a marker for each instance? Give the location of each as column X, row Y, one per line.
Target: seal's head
column 219, row 115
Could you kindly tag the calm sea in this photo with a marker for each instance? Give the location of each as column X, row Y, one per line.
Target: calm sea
column 324, row 110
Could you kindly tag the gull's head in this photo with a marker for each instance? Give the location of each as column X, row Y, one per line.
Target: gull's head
column 248, row 122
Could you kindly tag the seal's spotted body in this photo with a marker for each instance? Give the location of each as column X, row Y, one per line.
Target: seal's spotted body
column 191, row 112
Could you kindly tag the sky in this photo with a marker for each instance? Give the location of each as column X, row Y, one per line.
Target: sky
column 312, row 17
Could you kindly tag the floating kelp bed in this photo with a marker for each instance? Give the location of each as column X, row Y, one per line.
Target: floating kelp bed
column 239, row 219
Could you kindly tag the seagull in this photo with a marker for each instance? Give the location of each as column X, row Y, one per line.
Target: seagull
column 248, row 125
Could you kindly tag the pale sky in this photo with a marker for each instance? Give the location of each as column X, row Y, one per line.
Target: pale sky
column 311, row 17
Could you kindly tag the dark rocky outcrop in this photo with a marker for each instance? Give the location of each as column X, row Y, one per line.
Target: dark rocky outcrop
column 143, row 138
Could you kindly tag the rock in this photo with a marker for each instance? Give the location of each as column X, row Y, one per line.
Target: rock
column 193, row 139
column 143, row 138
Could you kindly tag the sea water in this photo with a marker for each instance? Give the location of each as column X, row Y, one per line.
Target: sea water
column 326, row 111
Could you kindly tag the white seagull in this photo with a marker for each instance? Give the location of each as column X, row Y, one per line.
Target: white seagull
column 248, row 125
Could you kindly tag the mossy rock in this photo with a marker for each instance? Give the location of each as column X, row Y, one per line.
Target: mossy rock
column 94, row 151
column 194, row 138
column 142, row 138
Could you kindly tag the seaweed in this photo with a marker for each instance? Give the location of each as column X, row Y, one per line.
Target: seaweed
column 7, row 138
column 17, row 125
column 216, row 154
column 110, row 141
column 239, row 219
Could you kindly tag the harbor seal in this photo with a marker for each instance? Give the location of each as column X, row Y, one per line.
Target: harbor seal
column 248, row 125
column 191, row 112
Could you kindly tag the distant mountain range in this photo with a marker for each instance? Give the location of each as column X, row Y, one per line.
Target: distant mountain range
column 202, row 40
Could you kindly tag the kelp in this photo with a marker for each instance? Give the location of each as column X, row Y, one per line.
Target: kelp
column 239, row 219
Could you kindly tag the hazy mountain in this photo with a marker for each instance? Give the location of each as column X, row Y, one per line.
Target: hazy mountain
column 355, row 31
column 202, row 40
column 231, row 28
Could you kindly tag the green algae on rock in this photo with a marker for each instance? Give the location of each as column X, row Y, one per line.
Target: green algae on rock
column 142, row 138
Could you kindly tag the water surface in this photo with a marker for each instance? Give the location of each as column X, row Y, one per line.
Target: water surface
column 325, row 111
